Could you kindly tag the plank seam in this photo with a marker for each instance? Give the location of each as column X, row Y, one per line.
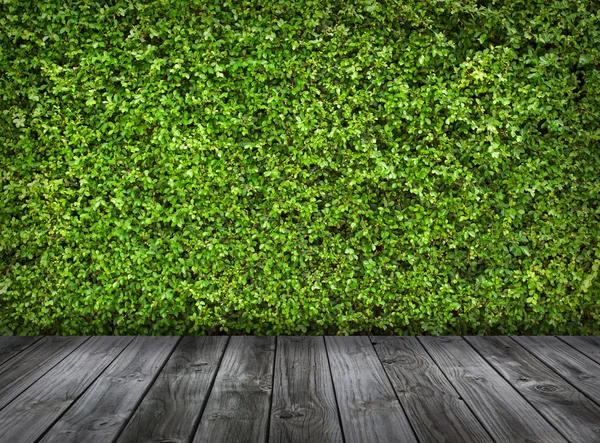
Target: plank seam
column 517, row 391
column 334, row 391
column 267, row 434
column 563, row 378
column 43, row 434
column 209, row 393
column 24, row 349
column 483, row 426
column 49, row 369
column 579, row 351
column 412, row 428
column 1, row 368
column 139, row 402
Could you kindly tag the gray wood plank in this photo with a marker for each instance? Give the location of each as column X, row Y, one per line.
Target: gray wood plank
column 304, row 408
column 434, row 408
column 239, row 403
column 567, row 409
column 28, row 416
column 171, row 410
column 499, row 407
column 369, row 408
column 27, row 367
column 101, row 412
column 588, row 345
column 579, row 370
column 12, row 345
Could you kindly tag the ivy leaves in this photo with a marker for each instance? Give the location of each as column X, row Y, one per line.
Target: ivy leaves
column 299, row 167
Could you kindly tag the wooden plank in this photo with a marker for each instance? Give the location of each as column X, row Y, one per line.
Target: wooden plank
column 239, row 403
column 567, row 409
column 434, row 408
column 27, row 367
column 369, row 408
column 587, row 345
column 579, row 370
column 12, row 345
column 28, row 416
column 505, row 415
column 171, row 410
column 101, row 413
column 303, row 407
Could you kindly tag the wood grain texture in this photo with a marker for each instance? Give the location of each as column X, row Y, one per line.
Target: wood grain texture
column 369, row 408
column 12, row 345
column 170, row 411
column 434, row 408
column 28, row 366
column 587, row 345
column 101, row 413
column 273, row 389
column 579, row 370
column 505, row 415
column 28, row 416
column 567, row 409
column 239, row 403
column 304, row 408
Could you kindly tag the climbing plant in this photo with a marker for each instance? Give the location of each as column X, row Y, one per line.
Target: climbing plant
column 299, row 167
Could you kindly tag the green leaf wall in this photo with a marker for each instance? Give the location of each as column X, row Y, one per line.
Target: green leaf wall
column 299, row 167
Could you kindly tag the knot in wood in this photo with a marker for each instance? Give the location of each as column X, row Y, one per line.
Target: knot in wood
column 406, row 359
column 200, row 363
column 103, row 423
column 477, row 378
column 290, row 414
column 547, row 388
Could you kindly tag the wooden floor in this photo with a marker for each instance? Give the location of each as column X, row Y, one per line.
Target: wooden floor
column 303, row 389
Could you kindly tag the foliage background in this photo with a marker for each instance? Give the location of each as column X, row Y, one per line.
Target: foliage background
column 299, row 167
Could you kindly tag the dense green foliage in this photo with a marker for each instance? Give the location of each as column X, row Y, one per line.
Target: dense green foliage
column 299, row 167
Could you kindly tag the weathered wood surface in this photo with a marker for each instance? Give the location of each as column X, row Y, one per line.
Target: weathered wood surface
column 29, row 416
column 369, row 408
column 436, row 411
column 304, row 408
column 239, row 403
column 568, row 410
column 11, row 346
column 171, row 410
column 300, row 389
column 28, row 366
column 572, row 365
column 505, row 414
column 589, row 346
column 100, row 413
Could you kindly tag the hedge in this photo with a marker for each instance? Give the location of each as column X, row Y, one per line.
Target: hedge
column 299, row 167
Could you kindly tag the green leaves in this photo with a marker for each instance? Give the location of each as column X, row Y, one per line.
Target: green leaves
column 234, row 168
